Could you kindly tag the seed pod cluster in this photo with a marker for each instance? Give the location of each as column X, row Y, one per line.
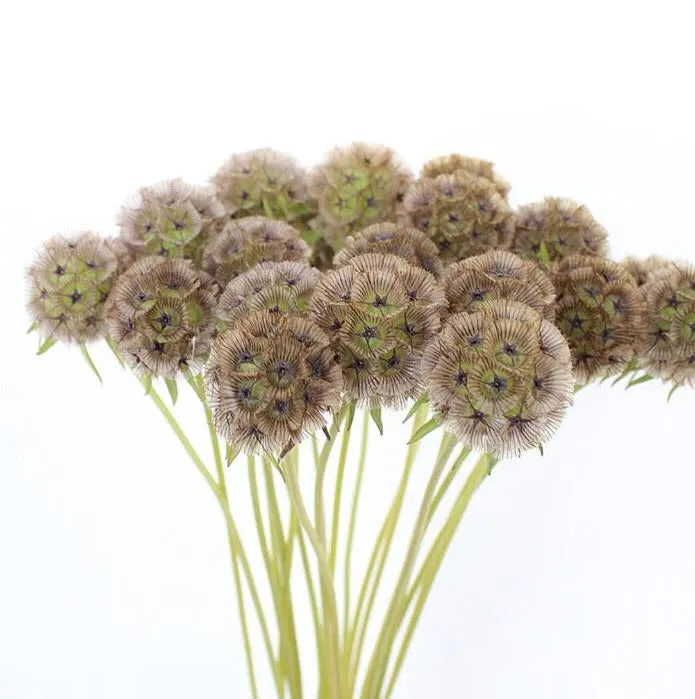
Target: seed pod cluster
column 278, row 287
column 601, row 313
column 380, row 313
column 499, row 377
column 167, row 219
column 462, row 214
column 270, row 380
column 402, row 241
column 555, row 229
column 235, row 246
column 643, row 269
column 68, row 285
column 161, row 315
column 264, row 183
column 357, row 186
column 449, row 164
column 498, row 275
column 669, row 343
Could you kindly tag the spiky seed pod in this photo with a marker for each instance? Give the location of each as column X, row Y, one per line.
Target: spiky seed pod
column 643, row 268
column 462, row 214
column 322, row 254
column 393, row 239
column 264, row 182
column 161, row 315
column 240, row 244
column 270, row 381
column 125, row 253
column 500, row 378
column 380, row 313
column 557, row 228
column 357, row 186
column 498, row 275
column 669, row 344
column 449, row 164
column 169, row 219
column 68, row 285
column 280, row 287
column 601, row 313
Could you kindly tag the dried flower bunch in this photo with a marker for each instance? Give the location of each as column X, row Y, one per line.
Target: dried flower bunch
column 167, row 218
column 357, row 186
column 463, row 214
column 601, row 313
column 556, row 228
column 449, row 164
column 498, row 275
column 236, row 246
column 264, row 182
column 289, row 301
column 381, row 313
column 161, row 315
column 669, row 348
column 68, row 286
column 271, row 380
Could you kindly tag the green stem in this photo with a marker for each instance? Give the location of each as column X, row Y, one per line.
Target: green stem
column 353, row 518
column 337, row 497
column 382, row 650
column 432, row 564
column 444, row 486
column 382, row 546
column 330, row 607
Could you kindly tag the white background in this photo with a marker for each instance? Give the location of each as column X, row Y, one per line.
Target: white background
column 572, row 575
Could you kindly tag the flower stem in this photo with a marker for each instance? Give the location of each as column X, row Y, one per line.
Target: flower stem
column 382, row 650
column 337, row 498
column 430, row 568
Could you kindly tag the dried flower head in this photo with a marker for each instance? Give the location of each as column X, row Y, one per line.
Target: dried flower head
column 462, row 214
column 240, row 244
column 161, row 315
column 498, row 275
column 380, row 313
column 357, row 186
column 393, row 239
column 68, row 285
column 264, row 182
column 500, row 378
column 279, row 287
column 643, row 268
column 322, row 254
column 556, row 228
column 669, row 344
column 600, row 311
column 270, row 380
column 449, row 164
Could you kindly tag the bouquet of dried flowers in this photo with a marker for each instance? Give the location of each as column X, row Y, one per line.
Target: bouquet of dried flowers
column 290, row 301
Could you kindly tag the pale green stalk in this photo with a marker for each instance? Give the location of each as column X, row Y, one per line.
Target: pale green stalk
column 356, row 635
column 337, row 497
column 353, row 518
column 444, row 486
column 433, row 561
column 382, row 649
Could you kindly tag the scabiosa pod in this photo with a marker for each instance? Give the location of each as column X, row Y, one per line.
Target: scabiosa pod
column 393, row 239
column 669, row 343
column 264, row 182
column 167, row 219
column 238, row 245
column 380, row 313
column 498, row 275
column 270, row 381
column 357, row 186
column 643, row 268
column 161, row 316
column 449, row 164
column 601, row 313
column 557, row 228
column 279, row 287
column 462, row 214
column 68, row 285
column 500, row 378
